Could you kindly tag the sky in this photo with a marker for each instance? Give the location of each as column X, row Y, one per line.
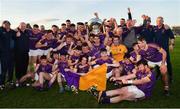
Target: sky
column 49, row 12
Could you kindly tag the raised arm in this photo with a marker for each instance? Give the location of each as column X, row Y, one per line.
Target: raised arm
column 106, row 38
column 88, row 42
column 129, row 14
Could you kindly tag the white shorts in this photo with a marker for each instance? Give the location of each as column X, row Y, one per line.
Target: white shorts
column 34, row 52
column 37, row 76
column 95, row 66
column 153, row 64
column 43, row 52
column 138, row 93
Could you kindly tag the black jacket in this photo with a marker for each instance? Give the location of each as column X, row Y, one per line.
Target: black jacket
column 22, row 42
column 7, row 39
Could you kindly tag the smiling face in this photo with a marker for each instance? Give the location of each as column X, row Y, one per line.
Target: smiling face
column 159, row 21
column 49, row 36
column 22, row 26
column 96, row 40
column 63, row 57
column 77, row 52
column 116, row 41
column 35, row 30
column 122, row 22
column 6, row 25
column 110, row 40
column 84, row 61
column 142, row 44
column 129, row 23
column 63, row 28
column 136, row 47
column 68, row 23
column 54, row 29
column 141, row 67
column 44, row 61
column 69, row 40
column 55, row 56
column 81, row 27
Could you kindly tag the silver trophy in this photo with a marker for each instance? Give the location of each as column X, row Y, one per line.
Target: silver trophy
column 94, row 25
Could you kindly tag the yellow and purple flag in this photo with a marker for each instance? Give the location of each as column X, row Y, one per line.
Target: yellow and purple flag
column 95, row 77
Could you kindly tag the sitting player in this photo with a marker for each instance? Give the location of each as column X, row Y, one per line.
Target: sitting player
column 72, row 75
column 53, row 59
column 141, row 83
column 104, row 58
column 62, row 64
column 74, row 55
column 125, row 68
column 44, row 72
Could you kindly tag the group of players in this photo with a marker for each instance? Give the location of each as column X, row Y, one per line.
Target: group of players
column 64, row 54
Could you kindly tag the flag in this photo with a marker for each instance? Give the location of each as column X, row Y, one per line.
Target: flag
column 95, row 77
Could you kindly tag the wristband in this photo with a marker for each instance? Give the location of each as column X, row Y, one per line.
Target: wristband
column 130, row 81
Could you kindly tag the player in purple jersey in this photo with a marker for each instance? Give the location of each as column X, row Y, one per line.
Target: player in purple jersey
column 104, row 58
column 156, row 56
column 96, row 46
column 44, row 71
column 134, row 55
column 74, row 55
column 139, row 88
column 83, row 66
column 65, row 45
column 34, row 36
column 121, row 68
column 46, row 43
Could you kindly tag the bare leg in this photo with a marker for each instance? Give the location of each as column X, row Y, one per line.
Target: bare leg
column 41, row 78
column 59, row 79
column 25, row 77
column 35, row 84
column 126, row 96
column 52, row 79
column 165, row 80
column 46, row 76
column 115, row 92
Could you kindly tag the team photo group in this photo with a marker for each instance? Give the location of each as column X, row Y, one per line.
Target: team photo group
column 87, row 56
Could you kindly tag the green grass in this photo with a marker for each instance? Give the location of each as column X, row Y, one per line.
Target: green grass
column 28, row 97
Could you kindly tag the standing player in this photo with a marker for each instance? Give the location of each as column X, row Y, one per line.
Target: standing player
column 34, row 36
column 46, row 42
